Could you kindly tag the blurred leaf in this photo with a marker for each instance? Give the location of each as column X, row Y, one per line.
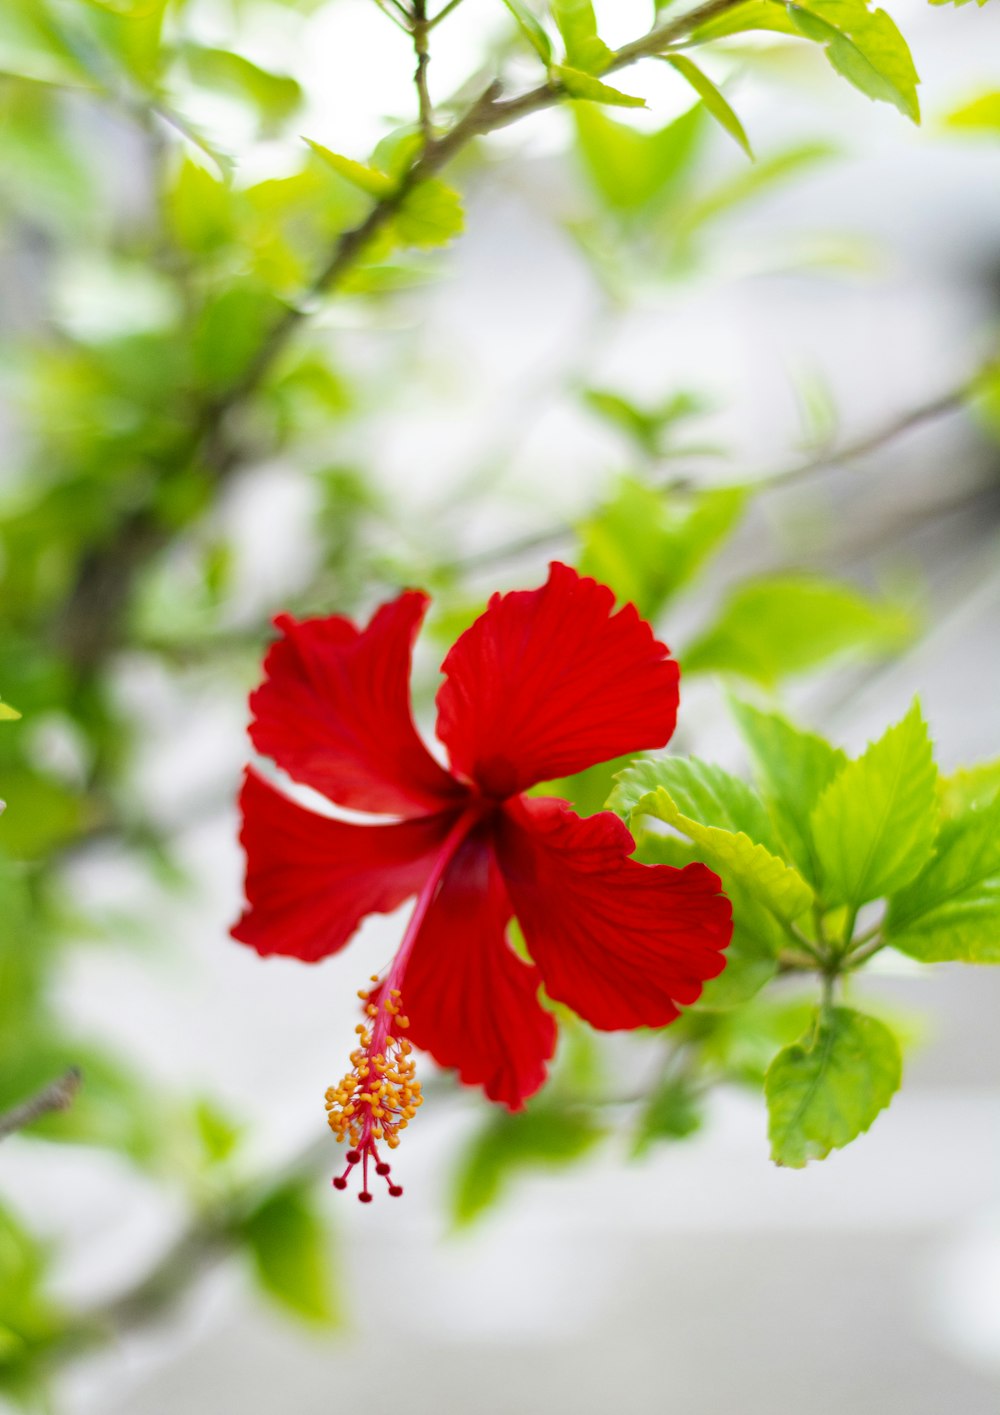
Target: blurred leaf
column 367, row 179
column 219, row 1135
column 794, row 768
column 631, row 169
column 713, row 99
column 274, row 96
column 828, row 1088
column 645, row 426
column 673, row 1112
column 290, row 1247
column 546, row 1135
column 951, row 910
column 199, row 208
column 771, row 628
column 532, row 29
column 42, row 813
column 431, row 215
column 968, row 787
column 30, row 1325
column 982, row 114
column 229, row 332
column 647, row 545
column 8, row 713
column 748, row 184
column 875, row 824
column 578, row 27
column 865, row 47
column 584, row 86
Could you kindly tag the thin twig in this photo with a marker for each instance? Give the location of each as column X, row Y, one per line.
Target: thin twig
column 422, row 50
column 57, row 1095
column 865, row 446
column 443, row 14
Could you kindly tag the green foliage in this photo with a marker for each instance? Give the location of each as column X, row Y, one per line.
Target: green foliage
column 874, row 826
column 531, row 28
column 673, row 1112
column 828, row 1088
column 579, row 84
column 794, row 768
column 951, row 910
column 30, row 1325
column 632, row 170
column 578, row 26
column 548, row 1135
column 781, row 625
column 864, row 46
column 713, row 99
column 648, row 545
column 289, row 1244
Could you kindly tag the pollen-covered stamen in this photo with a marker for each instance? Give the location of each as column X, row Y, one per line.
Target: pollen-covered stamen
column 379, row 1096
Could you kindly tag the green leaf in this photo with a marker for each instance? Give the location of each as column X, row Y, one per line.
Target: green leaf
column 199, row 210
column 532, row 29
column 675, row 787
column 546, row 1135
column 289, row 1244
column 274, row 97
column 367, row 179
column 712, row 98
column 230, row 330
column 630, row 169
column 864, row 46
column 218, row 1135
column 875, row 824
column 673, row 1112
column 981, row 115
column 771, row 628
column 578, row 27
column 755, row 15
column 647, row 546
column 969, row 786
column 951, row 910
column 8, row 713
column 584, row 86
column 431, row 215
column 827, row 1088
column 752, row 955
column 794, row 768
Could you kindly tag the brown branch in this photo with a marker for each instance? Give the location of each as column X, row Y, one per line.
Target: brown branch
column 57, row 1095
column 89, row 625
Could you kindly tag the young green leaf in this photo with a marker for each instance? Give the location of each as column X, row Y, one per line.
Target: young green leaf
column 864, row 46
column 584, row 86
column 289, row 1244
column 784, row 624
column 367, row 179
column 578, row 27
column 969, row 786
column 431, row 215
column 826, row 1089
column 875, row 824
column 531, row 27
column 695, row 787
column 794, row 768
column 952, row 909
column 648, row 546
column 632, row 169
column 712, row 97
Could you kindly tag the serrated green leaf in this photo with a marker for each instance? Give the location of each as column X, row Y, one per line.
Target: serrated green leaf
column 727, row 849
column 951, row 910
column 532, row 30
column 546, row 1135
column 969, row 786
column 772, row 628
column 875, row 824
column 584, row 86
column 828, row 1088
column 367, row 179
column 289, row 1244
column 578, row 27
column 712, row 97
column 794, row 768
column 865, row 47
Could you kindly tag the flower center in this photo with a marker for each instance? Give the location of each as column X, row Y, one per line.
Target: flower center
column 497, row 777
column 379, row 1096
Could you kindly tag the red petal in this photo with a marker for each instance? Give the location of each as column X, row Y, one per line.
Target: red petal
column 334, row 712
column 620, row 942
column 547, row 682
column 472, row 1003
column 310, row 880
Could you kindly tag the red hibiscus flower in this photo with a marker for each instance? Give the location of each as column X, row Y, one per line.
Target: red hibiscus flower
column 545, row 683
